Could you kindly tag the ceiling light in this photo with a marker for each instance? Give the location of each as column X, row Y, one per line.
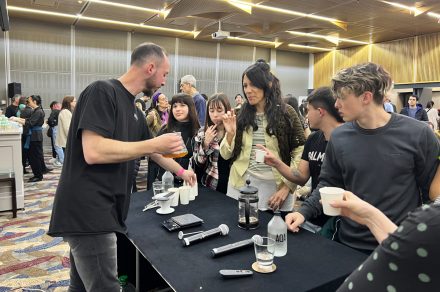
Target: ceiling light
column 275, row 44
column 82, row 17
column 337, row 22
column 332, row 39
column 411, row 9
column 309, row 47
column 133, row 7
column 435, row 15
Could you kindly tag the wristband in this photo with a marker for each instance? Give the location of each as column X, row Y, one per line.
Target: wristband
column 180, row 172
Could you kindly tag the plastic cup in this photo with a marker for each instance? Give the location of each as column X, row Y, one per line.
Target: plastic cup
column 328, row 195
column 184, row 194
column 264, row 252
column 259, row 155
column 175, row 198
column 158, row 187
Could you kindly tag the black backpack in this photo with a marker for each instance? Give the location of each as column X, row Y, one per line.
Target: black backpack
column 52, row 121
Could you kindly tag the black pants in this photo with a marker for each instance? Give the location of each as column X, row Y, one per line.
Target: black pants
column 24, row 152
column 36, row 158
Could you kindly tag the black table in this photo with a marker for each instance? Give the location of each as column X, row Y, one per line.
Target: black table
column 312, row 262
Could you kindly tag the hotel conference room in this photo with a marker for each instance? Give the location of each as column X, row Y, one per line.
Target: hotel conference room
column 100, row 98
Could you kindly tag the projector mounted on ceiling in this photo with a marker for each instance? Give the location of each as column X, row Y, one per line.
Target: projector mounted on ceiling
column 220, row 34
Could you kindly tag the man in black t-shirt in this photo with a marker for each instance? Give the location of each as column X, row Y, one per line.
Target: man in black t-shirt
column 107, row 133
column 324, row 118
column 11, row 110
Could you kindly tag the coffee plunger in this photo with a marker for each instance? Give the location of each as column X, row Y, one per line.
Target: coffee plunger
column 248, row 207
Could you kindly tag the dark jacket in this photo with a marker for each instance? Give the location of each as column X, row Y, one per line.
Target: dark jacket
column 421, row 114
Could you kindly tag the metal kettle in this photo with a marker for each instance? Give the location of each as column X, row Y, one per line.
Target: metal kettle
column 248, row 207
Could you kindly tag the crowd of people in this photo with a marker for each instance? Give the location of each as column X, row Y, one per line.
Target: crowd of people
column 347, row 135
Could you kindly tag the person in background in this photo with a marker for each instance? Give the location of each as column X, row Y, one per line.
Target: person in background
column 238, row 101
column 205, row 97
column 303, row 108
column 157, row 113
column 407, row 256
column 386, row 159
column 432, row 113
column 64, row 119
column 267, row 120
column 188, row 86
column 34, row 139
column 52, row 122
column 11, row 110
column 21, row 106
column 25, row 113
column 207, row 145
column 414, row 110
column 183, row 119
column 388, row 106
column 293, row 102
column 324, row 118
column 106, row 134
column 140, row 104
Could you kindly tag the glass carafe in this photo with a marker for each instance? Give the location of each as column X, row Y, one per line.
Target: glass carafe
column 248, row 207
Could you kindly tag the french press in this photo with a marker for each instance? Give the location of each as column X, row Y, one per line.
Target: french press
column 248, row 207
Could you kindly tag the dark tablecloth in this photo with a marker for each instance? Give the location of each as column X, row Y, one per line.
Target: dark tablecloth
column 312, row 262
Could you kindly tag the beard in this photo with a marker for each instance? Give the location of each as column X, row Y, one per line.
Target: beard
column 150, row 86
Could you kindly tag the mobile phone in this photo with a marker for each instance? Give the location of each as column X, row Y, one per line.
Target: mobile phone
column 182, row 221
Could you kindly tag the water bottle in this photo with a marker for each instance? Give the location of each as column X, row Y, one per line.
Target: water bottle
column 168, row 180
column 125, row 286
column 277, row 230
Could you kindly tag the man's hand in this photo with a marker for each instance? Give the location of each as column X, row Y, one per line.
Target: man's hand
column 168, row 143
column 294, row 220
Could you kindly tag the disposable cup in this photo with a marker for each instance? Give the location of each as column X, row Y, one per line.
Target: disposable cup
column 175, row 198
column 184, row 194
column 259, row 155
column 328, row 195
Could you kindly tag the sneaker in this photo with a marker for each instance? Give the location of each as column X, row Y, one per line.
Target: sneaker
column 57, row 164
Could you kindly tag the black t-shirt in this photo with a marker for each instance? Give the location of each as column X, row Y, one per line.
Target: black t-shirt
column 314, row 153
column 93, row 199
column 11, row 111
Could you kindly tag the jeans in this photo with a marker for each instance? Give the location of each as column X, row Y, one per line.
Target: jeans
column 93, row 263
column 58, row 149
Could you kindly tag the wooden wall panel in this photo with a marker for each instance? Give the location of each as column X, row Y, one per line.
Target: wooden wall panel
column 428, row 58
column 351, row 56
column 323, row 69
column 397, row 57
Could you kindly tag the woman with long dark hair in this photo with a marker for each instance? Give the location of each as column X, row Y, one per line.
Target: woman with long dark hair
column 207, row 145
column 267, row 120
column 183, row 119
column 157, row 114
column 64, row 119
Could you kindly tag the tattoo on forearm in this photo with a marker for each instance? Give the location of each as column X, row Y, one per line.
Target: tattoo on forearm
column 296, row 173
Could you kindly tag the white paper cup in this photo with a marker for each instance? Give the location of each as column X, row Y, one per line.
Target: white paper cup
column 184, row 194
column 259, row 155
column 328, row 195
column 175, row 198
column 193, row 192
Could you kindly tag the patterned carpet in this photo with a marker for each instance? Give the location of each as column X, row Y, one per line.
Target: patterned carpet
column 30, row 260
